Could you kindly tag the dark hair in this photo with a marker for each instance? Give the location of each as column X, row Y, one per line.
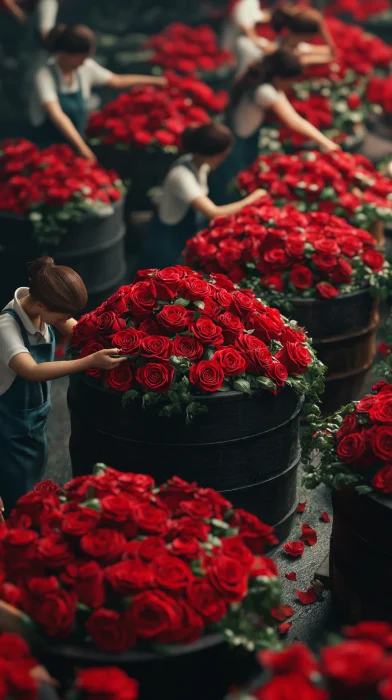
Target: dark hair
column 207, row 140
column 298, row 21
column 280, row 64
column 57, row 287
column 71, row 39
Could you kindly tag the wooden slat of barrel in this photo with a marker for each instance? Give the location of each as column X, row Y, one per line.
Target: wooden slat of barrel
column 246, row 448
column 361, row 555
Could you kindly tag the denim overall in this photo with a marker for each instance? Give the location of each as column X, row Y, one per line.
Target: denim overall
column 24, row 409
column 73, row 105
column 164, row 243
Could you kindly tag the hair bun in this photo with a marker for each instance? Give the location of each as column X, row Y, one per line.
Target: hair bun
column 37, row 265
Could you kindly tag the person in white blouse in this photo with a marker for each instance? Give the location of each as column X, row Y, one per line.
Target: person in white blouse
column 62, row 87
column 184, row 205
column 46, row 12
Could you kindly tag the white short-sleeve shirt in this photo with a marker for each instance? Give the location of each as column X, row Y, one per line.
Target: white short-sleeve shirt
column 45, row 90
column 47, row 14
column 246, row 14
column 11, row 341
column 181, row 187
column 250, row 113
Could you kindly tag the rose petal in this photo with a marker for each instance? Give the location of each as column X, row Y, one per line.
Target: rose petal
column 306, row 597
column 324, row 516
column 308, row 535
column 301, row 506
column 291, row 576
column 284, row 627
column 282, row 612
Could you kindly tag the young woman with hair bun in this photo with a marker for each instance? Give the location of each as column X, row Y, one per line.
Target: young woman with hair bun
column 184, row 205
column 27, row 346
column 62, row 86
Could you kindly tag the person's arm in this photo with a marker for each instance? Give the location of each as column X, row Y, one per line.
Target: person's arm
column 26, row 367
column 122, row 82
column 15, row 10
column 314, row 58
column 210, row 210
column 290, row 117
column 47, row 11
column 67, row 128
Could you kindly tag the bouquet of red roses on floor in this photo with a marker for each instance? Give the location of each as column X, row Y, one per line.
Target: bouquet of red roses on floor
column 354, row 666
column 150, row 116
column 283, row 254
column 115, row 561
column 337, row 183
column 190, row 51
column 187, row 337
column 53, row 186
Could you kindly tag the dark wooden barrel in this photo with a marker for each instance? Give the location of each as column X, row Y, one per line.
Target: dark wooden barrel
column 245, row 447
column 343, row 331
column 94, row 247
column 361, row 555
column 204, row 669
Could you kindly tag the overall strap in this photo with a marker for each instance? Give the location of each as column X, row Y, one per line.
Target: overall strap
column 12, row 312
column 57, row 81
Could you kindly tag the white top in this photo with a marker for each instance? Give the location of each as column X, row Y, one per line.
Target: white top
column 44, row 85
column 247, row 53
column 250, row 113
column 47, row 14
column 11, row 341
column 246, row 14
column 180, row 188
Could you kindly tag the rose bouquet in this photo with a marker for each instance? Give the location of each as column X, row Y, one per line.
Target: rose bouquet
column 115, row 562
column 53, row 187
column 190, row 51
column 107, row 683
column 354, row 446
column 187, row 337
column 151, row 116
column 337, row 183
column 283, row 254
column 354, row 666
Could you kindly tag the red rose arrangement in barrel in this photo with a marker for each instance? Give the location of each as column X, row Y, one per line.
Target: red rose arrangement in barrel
column 354, row 445
column 118, row 561
column 283, row 254
column 356, row 665
column 337, row 183
column 187, row 337
column 190, row 51
column 155, row 116
column 52, row 186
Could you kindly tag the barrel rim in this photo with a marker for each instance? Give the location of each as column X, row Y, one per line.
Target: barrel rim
column 89, row 217
column 298, row 301
column 381, row 499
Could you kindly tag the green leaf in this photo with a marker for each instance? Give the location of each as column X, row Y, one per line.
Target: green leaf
column 129, row 396
column 93, row 503
column 199, row 305
column 243, row 386
column 265, row 383
column 83, row 608
column 182, row 302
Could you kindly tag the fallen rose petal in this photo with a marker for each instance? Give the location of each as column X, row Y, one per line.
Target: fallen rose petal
column 291, row 576
column 294, row 549
column 309, row 535
column 282, row 612
column 284, row 627
column 306, row 597
column 301, row 506
column 324, row 516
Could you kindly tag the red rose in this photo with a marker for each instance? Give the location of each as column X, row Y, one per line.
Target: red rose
column 104, row 544
column 292, row 335
column 206, row 601
column 111, row 631
column 194, row 289
column 174, row 318
column 265, row 327
column 21, row 682
column 231, row 326
column 55, row 612
column 325, row 263
column 54, row 552
column 199, row 509
column 13, row 647
column 343, row 271
column 228, row 577
column 156, row 347
column 326, row 290
column 354, row 664
column 129, row 341
column 108, row 323
column 280, row 688
column 185, row 346
column 276, row 372
column 254, row 533
column 349, row 425
column 152, row 547
column 47, row 488
column 351, row 447
column 89, row 585
column 154, row 615
column 382, row 481
column 142, row 298
column 295, row 357
column 151, row 519
column 188, row 527
column 373, row 259
column 380, row 410
column 79, row 522
column 231, row 361
column 121, row 378
column 206, row 375
column 108, row 683
column 85, row 329
column 115, row 509
column 235, row 548
column 242, row 304
column 301, row 277
column 117, row 302
column 171, row 573
column 273, row 281
column 381, row 442
column 129, row 576
column 186, row 547
column 248, row 343
column 167, row 282
column 149, row 327
column 263, row 566
column 294, row 549
column 155, row 376
column 353, row 101
column 206, row 331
